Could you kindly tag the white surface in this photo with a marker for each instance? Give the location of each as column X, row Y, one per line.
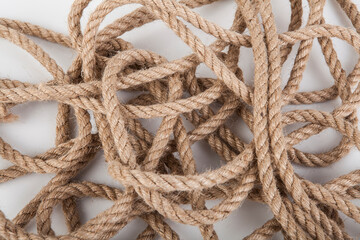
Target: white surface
column 34, row 132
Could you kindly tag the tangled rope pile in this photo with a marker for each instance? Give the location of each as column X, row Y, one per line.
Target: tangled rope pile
column 159, row 170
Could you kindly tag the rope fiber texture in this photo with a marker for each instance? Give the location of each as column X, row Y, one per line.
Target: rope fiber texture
column 158, row 171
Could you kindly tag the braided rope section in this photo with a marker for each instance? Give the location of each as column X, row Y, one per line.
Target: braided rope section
column 158, row 171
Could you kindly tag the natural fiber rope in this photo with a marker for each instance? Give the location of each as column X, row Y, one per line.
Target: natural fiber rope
column 159, row 171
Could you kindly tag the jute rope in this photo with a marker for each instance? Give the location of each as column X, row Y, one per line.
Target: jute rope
column 158, row 170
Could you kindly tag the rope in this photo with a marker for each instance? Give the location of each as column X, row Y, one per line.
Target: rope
column 158, row 170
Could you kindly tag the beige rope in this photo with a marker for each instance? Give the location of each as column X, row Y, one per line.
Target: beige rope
column 158, row 170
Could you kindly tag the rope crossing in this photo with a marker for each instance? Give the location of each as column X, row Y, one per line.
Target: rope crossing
column 158, row 170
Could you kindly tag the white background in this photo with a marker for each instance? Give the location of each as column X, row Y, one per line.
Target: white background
column 34, row 132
